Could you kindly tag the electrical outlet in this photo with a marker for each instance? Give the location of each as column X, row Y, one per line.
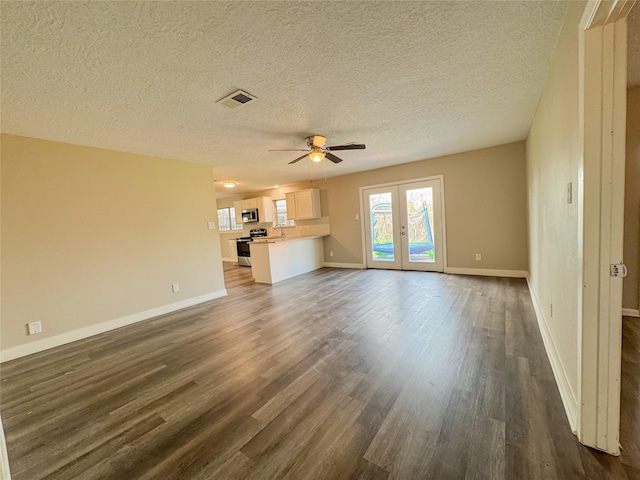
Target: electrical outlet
column 478, row 256
column 211, row 225
column 34, row 327
column 331, row 254
column 357, row 217
column 175, row 287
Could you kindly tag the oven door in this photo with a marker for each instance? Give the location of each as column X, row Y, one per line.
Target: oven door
column 244, row 254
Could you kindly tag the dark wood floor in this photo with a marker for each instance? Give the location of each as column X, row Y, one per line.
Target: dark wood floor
column 358, row 374
column 630, row 396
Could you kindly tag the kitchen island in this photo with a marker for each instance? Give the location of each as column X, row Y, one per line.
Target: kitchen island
column 277, row 259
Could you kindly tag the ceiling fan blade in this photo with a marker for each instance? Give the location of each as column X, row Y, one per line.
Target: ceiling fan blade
column 298, row 159
column 353, row 146
column 290, row 150
column 332, row 157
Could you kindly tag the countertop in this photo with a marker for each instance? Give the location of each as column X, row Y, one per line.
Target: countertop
column 279, row 239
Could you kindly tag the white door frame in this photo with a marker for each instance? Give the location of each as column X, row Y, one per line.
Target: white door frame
column 440, row 178
column 602, row 121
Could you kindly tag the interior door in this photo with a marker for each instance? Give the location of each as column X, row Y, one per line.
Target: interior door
column 403, row 226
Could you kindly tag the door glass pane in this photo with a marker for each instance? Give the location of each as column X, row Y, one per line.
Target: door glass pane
column 382, row 246
column 420, row 225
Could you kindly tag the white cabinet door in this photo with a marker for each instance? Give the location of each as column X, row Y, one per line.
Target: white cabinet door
column 238, row 209
column 250, row 203
column 303, row 204
column 290, row 198
column 266, row 210
column 233, row 250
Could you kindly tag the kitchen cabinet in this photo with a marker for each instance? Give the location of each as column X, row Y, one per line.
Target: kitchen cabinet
column 303, row 204
column 266, row 210
column 233, row 250
column 250, row 203
column 274, row 261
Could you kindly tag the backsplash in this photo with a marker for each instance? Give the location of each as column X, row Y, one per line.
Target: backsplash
column 316, row 226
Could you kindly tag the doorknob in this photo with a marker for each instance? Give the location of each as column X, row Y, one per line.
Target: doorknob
column 404, row 233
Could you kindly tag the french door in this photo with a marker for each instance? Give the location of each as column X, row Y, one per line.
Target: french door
column 403, row 226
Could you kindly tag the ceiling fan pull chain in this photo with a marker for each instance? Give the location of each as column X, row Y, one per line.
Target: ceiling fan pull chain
column 311, row 168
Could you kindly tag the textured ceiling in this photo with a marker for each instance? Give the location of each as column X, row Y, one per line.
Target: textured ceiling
column 633, row 47
column 412, row 80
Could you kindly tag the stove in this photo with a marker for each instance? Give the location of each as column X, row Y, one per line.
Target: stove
column 244, row 253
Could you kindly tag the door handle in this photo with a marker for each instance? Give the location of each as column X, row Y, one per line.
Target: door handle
column 403, row 233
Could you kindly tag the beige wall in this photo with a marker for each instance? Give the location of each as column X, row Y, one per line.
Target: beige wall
column 92, row 235
column 485, row 197
column 631, row 295
column 553, row 162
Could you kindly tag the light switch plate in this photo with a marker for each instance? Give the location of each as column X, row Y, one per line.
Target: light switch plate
column 211, row 225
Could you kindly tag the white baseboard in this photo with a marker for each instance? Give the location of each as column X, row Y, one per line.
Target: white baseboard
column 80, row 333
column 566, row 393
column 630, row 312
column 487, row 272
column 227, row 259
column 343, row 265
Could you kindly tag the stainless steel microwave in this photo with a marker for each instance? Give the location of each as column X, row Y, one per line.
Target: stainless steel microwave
column 249, row 216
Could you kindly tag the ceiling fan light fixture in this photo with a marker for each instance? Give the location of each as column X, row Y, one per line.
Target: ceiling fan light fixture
column 228, row 184
column 316, row 155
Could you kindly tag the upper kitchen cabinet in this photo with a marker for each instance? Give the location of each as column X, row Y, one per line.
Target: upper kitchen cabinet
column 303, row 204
column 266, row 210
column 250, row 203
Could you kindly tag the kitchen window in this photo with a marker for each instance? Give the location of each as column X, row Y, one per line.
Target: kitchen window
column 227, row 219
column 281, row 214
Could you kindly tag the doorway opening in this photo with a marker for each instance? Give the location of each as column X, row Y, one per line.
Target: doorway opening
column 403, row 225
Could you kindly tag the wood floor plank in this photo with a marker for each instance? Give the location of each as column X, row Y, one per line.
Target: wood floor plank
column 487, row 450
column 630, row 395
column 451, row 454
column 361, row 374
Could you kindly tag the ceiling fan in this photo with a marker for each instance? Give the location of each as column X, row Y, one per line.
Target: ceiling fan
column 318, row 152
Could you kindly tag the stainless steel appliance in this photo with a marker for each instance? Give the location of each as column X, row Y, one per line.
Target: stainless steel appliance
column 244, row 253
column 250, row 216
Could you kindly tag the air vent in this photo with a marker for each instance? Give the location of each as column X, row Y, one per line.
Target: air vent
column 237, row 99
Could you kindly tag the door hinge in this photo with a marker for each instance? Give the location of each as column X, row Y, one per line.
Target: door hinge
column 618, row 270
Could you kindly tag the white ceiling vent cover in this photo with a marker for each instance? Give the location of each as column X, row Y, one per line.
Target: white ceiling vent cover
column 237, row 99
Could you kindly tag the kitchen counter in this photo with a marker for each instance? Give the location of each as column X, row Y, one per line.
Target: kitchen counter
column 274, row 259
column 277, row 239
